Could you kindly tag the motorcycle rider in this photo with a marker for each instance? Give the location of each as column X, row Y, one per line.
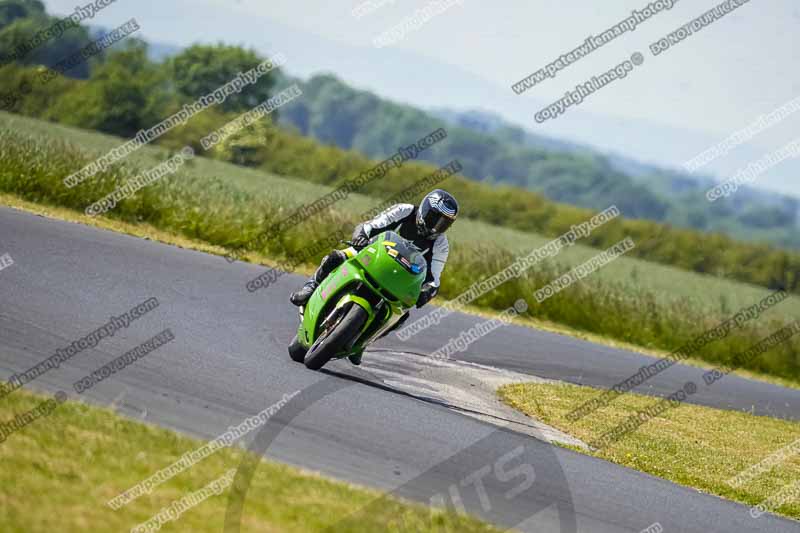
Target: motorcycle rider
column 424, row 225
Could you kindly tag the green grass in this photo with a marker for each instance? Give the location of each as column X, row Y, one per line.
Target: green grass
column 59, row 472
column 226, row 206
column 695, row 446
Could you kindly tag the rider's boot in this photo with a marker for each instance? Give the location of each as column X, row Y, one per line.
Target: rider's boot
column 328, row 265
column 301, row 296
column 356, row 358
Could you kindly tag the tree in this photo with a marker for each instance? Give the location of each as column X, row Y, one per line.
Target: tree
column 11, row 10
column 20, row 24
column 246, row 146
column 126, row 93
column 202, row 69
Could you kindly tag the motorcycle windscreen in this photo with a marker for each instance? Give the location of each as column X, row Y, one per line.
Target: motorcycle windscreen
column 395, row 265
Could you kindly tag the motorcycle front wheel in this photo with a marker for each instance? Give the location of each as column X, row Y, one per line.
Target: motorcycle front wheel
column 336, row 339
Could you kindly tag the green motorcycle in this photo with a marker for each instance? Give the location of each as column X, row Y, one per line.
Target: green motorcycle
column 359, row 301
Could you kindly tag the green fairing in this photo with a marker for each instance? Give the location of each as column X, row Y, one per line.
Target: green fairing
column 371, row 276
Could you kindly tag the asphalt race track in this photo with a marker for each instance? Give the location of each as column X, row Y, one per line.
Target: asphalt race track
column 228, row 361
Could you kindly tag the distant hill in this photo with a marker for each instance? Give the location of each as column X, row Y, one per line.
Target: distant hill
column 493, row 150
column 684, row 189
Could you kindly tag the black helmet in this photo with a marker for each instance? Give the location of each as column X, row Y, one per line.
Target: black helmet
column 437, row 212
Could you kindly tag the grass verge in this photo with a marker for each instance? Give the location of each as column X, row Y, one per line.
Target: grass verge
column 691, row 445
column 59, row 472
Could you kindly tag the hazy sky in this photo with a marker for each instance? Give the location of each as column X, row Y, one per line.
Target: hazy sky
column 741, row 65
column 715, row 82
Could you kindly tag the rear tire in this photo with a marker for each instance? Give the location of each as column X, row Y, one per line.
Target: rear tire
column 297, row 351
column 335, row 341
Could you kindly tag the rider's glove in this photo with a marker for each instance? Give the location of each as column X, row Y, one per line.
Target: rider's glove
column 360, row 238
column 426, row 294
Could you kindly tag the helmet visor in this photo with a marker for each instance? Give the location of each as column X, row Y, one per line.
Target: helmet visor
column 434, row 221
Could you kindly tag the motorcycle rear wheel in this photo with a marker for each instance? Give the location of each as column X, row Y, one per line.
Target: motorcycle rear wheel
column 297, row 351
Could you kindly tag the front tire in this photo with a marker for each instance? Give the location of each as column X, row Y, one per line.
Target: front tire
column 335, row 341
